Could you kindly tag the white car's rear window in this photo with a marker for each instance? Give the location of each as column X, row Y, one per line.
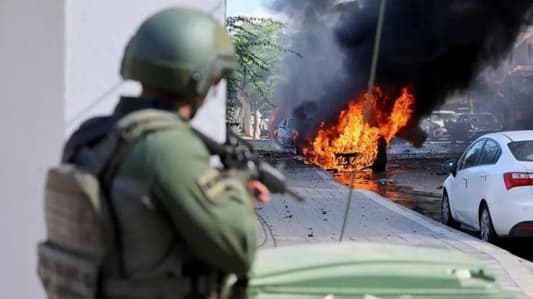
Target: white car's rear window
column 522, row 150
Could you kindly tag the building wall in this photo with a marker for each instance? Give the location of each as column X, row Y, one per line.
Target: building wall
column 96, row 35
column 60, row 62
column 31, row 125
column 521, row 55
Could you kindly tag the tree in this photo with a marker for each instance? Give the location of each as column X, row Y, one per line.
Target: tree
column 250, row 88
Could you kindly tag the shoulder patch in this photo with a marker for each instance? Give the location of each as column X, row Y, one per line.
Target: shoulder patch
column 214, row 183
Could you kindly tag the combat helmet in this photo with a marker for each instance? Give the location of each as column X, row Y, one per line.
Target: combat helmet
column 181, row 51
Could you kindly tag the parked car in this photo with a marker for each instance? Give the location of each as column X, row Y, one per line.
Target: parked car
column 469, row 126
column 283, row 133
column 435, row 124
column 490, row 188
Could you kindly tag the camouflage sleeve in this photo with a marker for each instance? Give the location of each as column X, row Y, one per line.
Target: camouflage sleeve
column 211, row 208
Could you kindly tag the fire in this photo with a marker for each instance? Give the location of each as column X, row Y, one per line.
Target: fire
column 352, row 142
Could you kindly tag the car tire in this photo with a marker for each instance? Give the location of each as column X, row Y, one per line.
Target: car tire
column 446, row 212
column 486, row 227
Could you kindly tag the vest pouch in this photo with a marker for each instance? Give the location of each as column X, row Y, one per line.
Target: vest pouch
column 71, row 257
column 72, row 208
column 66, row 274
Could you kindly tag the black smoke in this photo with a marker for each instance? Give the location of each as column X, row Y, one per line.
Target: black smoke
column 436, row 47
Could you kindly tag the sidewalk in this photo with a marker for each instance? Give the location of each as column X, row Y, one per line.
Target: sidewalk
column 375, row 219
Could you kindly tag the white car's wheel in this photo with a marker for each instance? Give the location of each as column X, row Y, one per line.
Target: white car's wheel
column 446, row 213
column 486, row 228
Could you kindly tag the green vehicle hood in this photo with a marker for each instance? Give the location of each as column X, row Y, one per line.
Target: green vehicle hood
column 366, row 270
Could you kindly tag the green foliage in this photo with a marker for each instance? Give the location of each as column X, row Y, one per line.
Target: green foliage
column 257, row 42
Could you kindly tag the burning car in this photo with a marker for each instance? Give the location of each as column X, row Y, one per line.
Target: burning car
column 360, row 135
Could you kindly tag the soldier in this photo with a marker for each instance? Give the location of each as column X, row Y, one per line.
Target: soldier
column 172, row 225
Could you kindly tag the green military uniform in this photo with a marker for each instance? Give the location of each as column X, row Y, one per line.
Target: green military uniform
column 209, row 209
column 203, row 222
column 171, row 225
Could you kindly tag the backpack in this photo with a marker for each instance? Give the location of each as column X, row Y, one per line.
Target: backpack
column 77, row 208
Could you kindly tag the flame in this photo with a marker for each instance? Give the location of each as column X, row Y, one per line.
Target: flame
column 352, row 142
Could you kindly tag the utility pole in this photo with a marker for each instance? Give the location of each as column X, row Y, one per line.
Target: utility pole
column 375, row 56
column 366, row 115
column 225, row 8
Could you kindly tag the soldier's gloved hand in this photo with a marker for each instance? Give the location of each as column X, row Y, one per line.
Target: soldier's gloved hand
column 259, row 190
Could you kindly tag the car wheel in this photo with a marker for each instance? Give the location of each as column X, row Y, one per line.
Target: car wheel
column 446, row 213
column 486, row 228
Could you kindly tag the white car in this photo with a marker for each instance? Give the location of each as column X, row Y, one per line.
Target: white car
column 490, row 188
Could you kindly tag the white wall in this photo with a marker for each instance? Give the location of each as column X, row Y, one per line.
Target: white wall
column 96, row 36
column 31, row 128
column 56, row 58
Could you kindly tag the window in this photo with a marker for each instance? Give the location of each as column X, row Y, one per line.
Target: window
column 522, row 150
column 471, row 156
column 491, row 153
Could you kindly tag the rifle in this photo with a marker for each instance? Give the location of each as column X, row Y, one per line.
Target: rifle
column 237, row 153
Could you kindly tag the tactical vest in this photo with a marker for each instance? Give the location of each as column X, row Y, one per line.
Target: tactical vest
column 104, row 236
